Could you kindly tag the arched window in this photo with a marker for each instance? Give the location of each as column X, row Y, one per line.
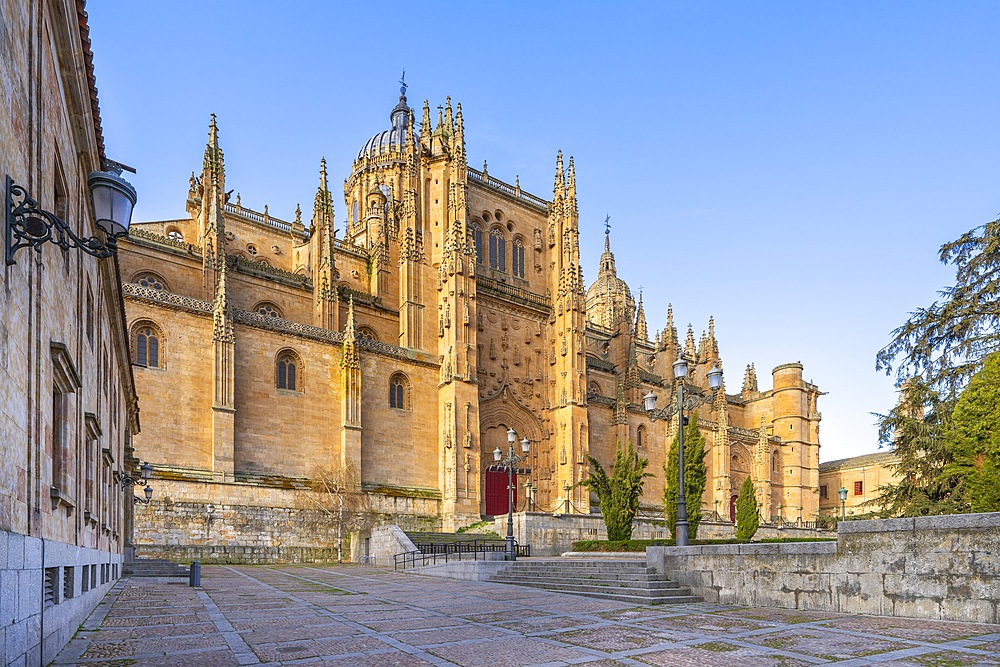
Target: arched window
column 174, row 234
column 498, row 250
column 288, row 371
column 640, row 437
column 267, row 309
column 399, row 392
column 477, row 240
column 775, row 463
column 517, row 258
column 150, row 280
column 355, row 211
column 148, row 341
column 367, row 332
column 593, row 389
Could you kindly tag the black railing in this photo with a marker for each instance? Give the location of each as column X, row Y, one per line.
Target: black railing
column 433, row 552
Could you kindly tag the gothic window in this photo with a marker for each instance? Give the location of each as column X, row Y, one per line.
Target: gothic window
column 477, row 240
column 355, row 211
column 517, row 258
column 174, row 234
column 267, row 309
column 148, row 341
column 368, row 333
column 288, row 371
column 593, row 389
column 775, row 464
column 399, row 390
column 498, row 250
column 150, row 280
column 640, row 437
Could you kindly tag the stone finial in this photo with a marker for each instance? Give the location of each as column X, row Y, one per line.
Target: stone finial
column 559, row 187
column 571, row 180
column 750, row 379
column 689, row 347
column 213, row 165
column 486, row 171
column 641, row 330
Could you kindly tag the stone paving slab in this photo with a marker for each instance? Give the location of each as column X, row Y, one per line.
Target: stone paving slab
column 352, row 617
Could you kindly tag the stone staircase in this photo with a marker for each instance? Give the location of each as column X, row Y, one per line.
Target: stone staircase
column 429, row 542
column 621, row 580
column 153, row 567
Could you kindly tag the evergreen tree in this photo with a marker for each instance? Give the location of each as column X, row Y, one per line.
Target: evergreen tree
column 747, row 520
column 947, row 342
column 916, row 428
column 618, row 493
column 695, row 478
column 974, row 441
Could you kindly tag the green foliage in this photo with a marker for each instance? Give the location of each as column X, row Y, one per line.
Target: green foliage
column 917, row 429
column 618, row 493
column 747, row 520
column 947, row 342
column 974, row 440
column 695, row 478
column 640, row 545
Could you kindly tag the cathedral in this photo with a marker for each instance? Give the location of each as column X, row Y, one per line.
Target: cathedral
column 449, row 308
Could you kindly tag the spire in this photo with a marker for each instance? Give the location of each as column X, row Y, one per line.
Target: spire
column 425, row 126
column 213, row 165
column 641, row 331
column 607, row 257
column 750, row 379
column 571, row 183
column 713, row 344
column 559, row 188
column 350, row 357
column 670, row 330
column 222, row 324
column 448, row 119
column 689, row 347
column 460, row 135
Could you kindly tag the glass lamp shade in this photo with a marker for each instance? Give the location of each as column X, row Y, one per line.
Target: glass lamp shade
column 525, row 446
column 148, row 492
column 842, row 492
column 146, row 470
column 715, row 378
column 680, row 368
column 497, row 454
column 649, row 400
column 113, row 198
column 511, row 436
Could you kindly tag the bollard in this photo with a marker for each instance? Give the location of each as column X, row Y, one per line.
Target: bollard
column 195, row 574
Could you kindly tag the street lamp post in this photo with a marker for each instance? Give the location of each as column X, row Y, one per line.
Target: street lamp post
column 511, row 460
column 687, row 399
column 842, row 492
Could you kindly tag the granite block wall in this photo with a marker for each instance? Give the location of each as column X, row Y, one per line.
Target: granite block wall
column 945, row 567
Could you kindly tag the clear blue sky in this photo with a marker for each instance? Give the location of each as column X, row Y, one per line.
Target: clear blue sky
column 788, row 167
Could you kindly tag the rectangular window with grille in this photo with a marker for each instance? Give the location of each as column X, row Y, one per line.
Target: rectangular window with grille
column 84, row 578
column 51, row 592
column 69, row 582
column 859, row 488
column 823, row 495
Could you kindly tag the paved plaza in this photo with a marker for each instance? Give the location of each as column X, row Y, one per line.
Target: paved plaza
column 322, row 615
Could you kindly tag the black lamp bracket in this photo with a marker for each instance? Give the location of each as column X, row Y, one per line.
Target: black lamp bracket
column 28, row 225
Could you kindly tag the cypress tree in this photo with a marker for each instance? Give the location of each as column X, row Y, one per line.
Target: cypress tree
column 974, row 440
column 746, row 511
column 695, row 478
column 618, row 493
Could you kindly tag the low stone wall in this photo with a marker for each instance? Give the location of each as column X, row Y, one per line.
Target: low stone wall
column 553, row 534
column 386, row 541
column 945, row 567
column 237, row 555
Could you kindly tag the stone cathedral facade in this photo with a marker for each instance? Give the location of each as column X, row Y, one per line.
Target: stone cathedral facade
column 448, row 307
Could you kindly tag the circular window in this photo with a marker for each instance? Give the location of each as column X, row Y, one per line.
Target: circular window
column 150, row 280
column 268, row 310
column 252, row 249
column 175, row 235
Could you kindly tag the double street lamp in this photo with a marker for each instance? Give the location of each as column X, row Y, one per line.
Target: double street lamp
column 145, row 472
column 511, row 460
column 688, row 398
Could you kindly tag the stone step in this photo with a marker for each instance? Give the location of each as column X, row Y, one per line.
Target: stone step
column 153, row 568
column 623, row 594
column 650, row 583
column 550, row 567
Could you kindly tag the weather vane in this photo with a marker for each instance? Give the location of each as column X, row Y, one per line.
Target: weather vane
column 402, row 83
column 607, row 224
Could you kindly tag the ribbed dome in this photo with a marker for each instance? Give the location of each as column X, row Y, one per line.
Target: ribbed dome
column 393, row 138
column 609, row 299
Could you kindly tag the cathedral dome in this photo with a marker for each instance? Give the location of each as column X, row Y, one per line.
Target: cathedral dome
column 609, row 299
column 393, row 139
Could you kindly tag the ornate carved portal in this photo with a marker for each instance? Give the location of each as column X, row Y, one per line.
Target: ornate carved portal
column 496, row 416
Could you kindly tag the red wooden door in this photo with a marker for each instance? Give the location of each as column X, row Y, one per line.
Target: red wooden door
column 496, row 491
column 732, row 508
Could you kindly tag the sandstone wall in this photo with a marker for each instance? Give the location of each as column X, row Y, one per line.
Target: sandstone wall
column 929, row 567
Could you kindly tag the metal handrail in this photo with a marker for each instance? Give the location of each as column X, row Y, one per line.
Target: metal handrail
column 452, row 551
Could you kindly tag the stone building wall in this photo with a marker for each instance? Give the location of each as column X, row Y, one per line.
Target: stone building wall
column 943, row 567
column 67, row 402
